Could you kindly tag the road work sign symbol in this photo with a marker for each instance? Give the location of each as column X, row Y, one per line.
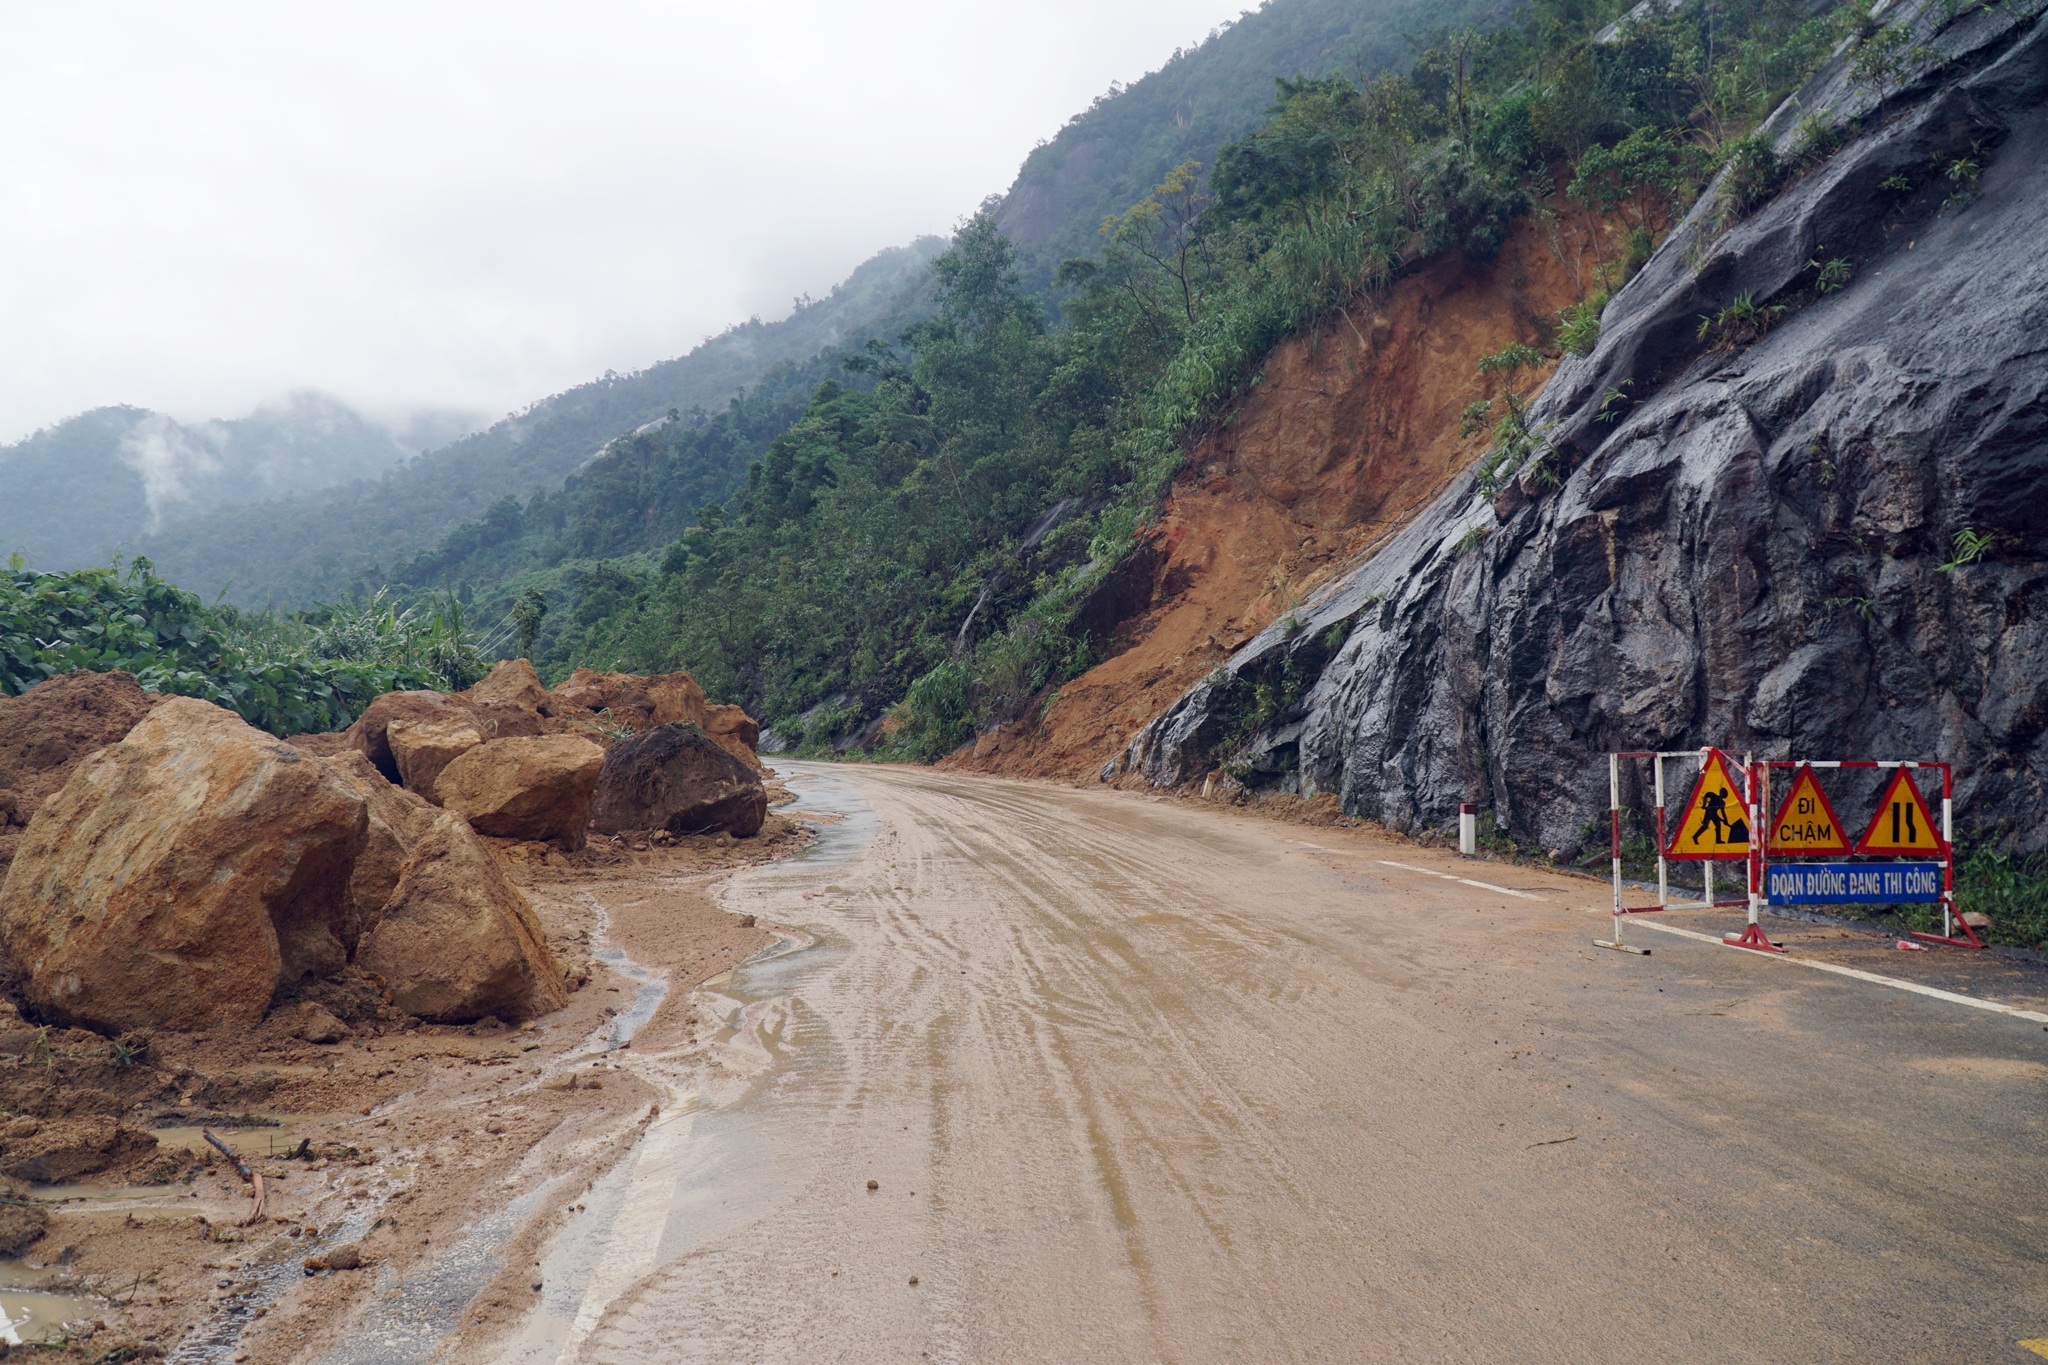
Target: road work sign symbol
column 1713, row 824
column 1806, row 823
column 1903, row 824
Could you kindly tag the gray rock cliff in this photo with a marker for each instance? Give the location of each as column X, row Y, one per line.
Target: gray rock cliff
column 1743, row 540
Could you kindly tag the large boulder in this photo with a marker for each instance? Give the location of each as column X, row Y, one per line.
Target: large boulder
column 511, row 683
column 457, row 941
column 422, row 746
column 46, row 730
column 525, row 788
column 371, row 734
column 646, row 703
column 676, row 778
column 398, row 820
column 180, row 877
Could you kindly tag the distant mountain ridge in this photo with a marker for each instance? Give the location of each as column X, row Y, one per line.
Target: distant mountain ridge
column 327, row 543
column 98, row 483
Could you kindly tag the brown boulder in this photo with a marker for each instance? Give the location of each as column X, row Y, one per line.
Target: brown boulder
column 421, row 746
column 180, row 877
column 371, row 736
column 458, row 941
column 644, row 703
column 525, row 788
column 46, row 730
column 398, row 819
column 435, row 720
column 513, row 683
column 676, row 778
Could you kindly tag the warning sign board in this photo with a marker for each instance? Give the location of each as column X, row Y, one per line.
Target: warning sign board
column 1903, row 824
column 1713, row 823
column 1806, row 823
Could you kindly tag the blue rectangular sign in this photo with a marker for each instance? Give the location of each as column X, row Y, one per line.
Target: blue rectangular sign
column 1851, row 883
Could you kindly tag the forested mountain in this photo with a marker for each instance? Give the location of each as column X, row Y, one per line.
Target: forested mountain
column 1110, row 155
column 99, row 482
column 332, row 543
column 943, row 541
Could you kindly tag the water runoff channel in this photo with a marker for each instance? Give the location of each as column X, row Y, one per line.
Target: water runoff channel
column 704, row 1164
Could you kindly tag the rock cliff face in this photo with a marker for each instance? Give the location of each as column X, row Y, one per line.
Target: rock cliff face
column 1747, row 539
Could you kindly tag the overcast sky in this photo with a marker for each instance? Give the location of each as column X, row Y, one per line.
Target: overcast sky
column 205, row 205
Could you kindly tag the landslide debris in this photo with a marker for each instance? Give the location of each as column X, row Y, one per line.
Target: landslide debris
column 180, row 877
column 675, row 778
column 47, row 730
column 647, row 703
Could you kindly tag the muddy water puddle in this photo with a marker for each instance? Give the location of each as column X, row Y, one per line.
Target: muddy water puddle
column 34, row 1307
column 707, row 1163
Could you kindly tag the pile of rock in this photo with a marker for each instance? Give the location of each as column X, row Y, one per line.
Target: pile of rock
column 174, row 867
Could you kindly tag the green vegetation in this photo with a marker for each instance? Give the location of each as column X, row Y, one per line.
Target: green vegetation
column 1970, row 546
column 1740, row 323
column 315, row 671
column 2013, row 891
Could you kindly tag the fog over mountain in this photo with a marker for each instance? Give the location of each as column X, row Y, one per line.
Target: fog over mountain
column 455, row 205
column 95, row 484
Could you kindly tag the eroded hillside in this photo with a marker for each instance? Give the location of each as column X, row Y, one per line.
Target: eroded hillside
column 1350, row 431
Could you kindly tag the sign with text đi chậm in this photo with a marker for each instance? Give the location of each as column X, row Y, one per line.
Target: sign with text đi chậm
column 1851, row 883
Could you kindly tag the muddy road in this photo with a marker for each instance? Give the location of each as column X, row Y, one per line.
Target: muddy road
column 1138, row 1080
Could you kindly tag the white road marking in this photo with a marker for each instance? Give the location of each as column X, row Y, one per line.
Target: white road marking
column 1483, row 886
column 1872, row 977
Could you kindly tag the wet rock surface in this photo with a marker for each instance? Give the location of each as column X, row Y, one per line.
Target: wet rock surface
column 1746, row 542
column 180, row 877
column 676, row 778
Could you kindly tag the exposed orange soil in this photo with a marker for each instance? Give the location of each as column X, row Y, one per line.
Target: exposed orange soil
column 1349, row 432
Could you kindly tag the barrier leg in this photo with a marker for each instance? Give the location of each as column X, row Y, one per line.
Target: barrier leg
column 1663, row 867
column 1951, row 920
column 1752, row 935
column 1614, row 847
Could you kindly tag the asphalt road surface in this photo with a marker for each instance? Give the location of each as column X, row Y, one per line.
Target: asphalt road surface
column 1141, row 1080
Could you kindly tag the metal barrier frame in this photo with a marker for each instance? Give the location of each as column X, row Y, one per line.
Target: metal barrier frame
column 1756, row 785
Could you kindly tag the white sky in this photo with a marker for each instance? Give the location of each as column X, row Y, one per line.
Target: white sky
column 473, row 205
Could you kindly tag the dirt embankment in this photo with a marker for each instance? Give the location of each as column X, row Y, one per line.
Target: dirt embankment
column 1350, row 430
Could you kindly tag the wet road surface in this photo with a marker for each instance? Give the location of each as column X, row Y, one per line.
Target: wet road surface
column 1145, row 1081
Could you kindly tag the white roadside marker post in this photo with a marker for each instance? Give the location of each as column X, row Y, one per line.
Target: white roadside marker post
column 1468, row 829
column 1614, row 843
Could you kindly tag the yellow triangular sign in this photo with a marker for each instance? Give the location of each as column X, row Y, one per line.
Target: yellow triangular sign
column 1713, row 823
column 1806, row 822
column 1903, row 824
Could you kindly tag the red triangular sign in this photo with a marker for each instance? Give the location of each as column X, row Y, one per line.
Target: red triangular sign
column 1713, row 823
column 1806, row 822
column 1903, row 824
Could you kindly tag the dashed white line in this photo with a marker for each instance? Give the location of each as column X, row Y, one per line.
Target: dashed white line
column 1894, row 982
column 1483, row 886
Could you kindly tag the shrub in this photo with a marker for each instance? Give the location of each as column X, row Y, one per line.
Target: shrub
column 1579, row 325
column 1740, row 323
